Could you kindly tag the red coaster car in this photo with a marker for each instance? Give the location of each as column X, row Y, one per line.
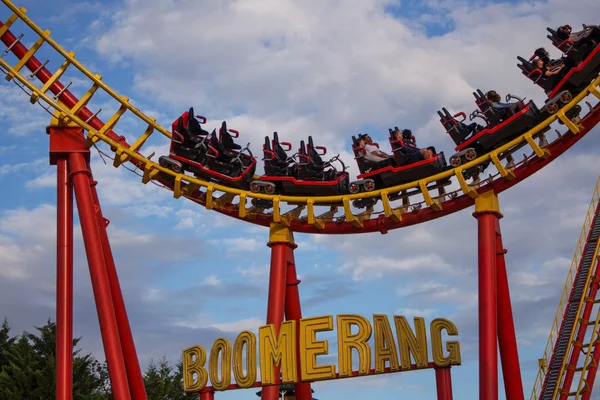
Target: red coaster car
column 474, row 140
column 575, row 46
column 572, row 78
column 393, row 172
column 207, row 156
column 308, row 175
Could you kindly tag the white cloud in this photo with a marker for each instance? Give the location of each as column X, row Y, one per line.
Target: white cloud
column 376, row 266
column 211, row 280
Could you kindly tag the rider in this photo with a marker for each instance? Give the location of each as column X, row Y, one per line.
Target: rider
column 509, row 108
column 372, row 151
column 408, row 143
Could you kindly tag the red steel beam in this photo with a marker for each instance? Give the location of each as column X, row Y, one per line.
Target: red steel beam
column 293, row 311
column 507, row 340
column 100, row 283
column 488, row 327
column 64, row 283
column 589, row 300
column 443, row 381
column 134, row 372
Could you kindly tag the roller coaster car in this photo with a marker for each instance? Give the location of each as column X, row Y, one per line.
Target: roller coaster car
column 561, row 87
column 581, row 48
column 394, row 171
column 207, row 156
column 307, row 176
column 475, row 140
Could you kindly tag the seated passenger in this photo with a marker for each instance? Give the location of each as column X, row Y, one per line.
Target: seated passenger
column 548, row 69
column 508, row 108
column 584, row 36
column 372, row 152
column 407, row 140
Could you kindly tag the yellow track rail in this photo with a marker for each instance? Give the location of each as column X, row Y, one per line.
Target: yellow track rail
column 185, row 185
column 562, row 304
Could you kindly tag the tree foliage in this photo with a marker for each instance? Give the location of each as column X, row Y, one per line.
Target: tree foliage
column 28, row 365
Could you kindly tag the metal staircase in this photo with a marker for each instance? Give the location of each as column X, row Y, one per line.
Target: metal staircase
column 575, row 307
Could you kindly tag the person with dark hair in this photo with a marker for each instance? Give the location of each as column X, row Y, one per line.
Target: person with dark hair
column 548, row 69
column 408, row 144
column 565, row 32
column 372, row 152
column 509, row 108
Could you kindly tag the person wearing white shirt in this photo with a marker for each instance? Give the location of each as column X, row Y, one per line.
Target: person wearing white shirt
column 372, row 152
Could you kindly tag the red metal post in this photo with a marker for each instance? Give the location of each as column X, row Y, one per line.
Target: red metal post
column 487, row 213
column 100, row 283
column 279, row 240
column 443, row 383
column 578, row 342
column 207, row 396
column 509, row 355
column 64, row 283
column 293, row 311
column 134, row 372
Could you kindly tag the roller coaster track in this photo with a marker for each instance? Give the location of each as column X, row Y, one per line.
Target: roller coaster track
column 302, row 217
column 561, row 359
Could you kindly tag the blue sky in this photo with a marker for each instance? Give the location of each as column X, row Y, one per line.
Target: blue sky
column 331, row 70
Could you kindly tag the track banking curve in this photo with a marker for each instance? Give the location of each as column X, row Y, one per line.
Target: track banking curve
column 339, row 217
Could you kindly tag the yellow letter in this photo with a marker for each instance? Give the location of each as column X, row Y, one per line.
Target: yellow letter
column 221, row 346
column 347, row 341
column 411, row 343
column 385, row 344
column 272, row 353
column 193, row 363
column 453, row 348
column 310, row 348
column 249, row 339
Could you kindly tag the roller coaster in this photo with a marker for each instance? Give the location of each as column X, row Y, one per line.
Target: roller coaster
column 303, row 193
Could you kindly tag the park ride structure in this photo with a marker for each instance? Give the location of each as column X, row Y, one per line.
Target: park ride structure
column 75, row 129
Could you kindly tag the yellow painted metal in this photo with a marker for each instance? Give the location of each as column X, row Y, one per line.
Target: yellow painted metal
column 20, row 12
column 350, row 217
column 589, row 360
column 85, row 99
column 56, row 121
column 55, row 77
column 434, row 204
column 506, row 173
column 541, row 153
column 568, row 123
column 11, row 20
column 472, row 193
column 26, row 57
column 242, row 211
column 578, row 319
column 135, row 147
column 595, row 92
column 487, row 202
column 566, row 292
column 209, row 202
column 280, row 234
column 151, row 169
column 177, row 187
column 276, row 210
column 394, row 214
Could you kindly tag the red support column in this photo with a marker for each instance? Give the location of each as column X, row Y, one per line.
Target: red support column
column 487, row 213
column 443, row 382
column 293, row 311
column 207, row 396
column 509, row 355
column 100, row 283
column 279, row 240
column 64, row 283
column 134, row 373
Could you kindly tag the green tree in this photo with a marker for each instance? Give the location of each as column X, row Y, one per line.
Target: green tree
column 164, row 382
column 28, row 372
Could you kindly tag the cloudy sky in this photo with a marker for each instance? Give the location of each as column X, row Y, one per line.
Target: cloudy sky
column 326, row 68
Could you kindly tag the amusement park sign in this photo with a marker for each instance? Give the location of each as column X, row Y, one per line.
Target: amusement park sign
column 299, row 339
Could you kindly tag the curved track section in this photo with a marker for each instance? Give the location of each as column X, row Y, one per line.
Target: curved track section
column 325, row 215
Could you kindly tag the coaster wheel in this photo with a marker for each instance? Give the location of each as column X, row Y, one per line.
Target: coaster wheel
column 455, row 161
column 470, row 155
